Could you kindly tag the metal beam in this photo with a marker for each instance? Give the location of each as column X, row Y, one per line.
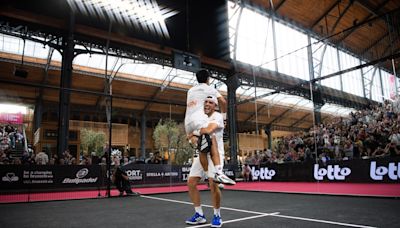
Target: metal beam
column 143, row 135
column 326, row 95
column 325, row 13
column 300, row 120
column 375, row 43
column 158, row 90
column 121, row 111
column 126, row 49
column 280, row 116
column 96, row 93
column 321, row 60
column 65, row 85
column 254, row 114
column 232, row 83
column 246, row 127
column 39, row 99
column 366, row 5
column 288, row 128
column 341, row 15
column 363, row 80
column 279, row 5
column 349, row 32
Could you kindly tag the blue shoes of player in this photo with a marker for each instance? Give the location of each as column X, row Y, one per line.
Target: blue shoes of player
column 217, row 221
column 196, row 219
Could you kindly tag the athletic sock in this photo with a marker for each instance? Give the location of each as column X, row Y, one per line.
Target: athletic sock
column 199, row 210
column 219, row 169
column 217, row 212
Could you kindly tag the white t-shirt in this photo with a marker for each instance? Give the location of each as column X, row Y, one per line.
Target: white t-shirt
column 195, row 103
column 395, row 138
column 217, row 118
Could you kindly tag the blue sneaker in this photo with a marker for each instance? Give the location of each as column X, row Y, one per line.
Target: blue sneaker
column 217, row 221
column 196, row 219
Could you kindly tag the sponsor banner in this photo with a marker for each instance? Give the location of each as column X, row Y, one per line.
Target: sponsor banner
column 153, row 173
column 356, row 171
column 163, row 174
column 282, row 172
column 229, row 170
column 75, row 176
column 11, row 118
column 23, row 177
column 48, row 176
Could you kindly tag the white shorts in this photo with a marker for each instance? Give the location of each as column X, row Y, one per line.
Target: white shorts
column 197, row 170
column 195, row 122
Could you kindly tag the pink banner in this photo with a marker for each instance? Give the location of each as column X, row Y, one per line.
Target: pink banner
column 11, row 118
column 392, row 86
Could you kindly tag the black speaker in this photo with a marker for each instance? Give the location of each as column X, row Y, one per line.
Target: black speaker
column 186, row 61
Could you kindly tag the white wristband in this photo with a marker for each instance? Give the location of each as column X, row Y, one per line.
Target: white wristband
column 224, row 115
column 196, row 132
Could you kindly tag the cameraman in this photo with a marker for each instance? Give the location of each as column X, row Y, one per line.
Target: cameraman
column 121, row 181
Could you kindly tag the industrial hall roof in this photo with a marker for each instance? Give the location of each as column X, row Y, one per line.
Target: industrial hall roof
column 367, row 28
column 48, row 22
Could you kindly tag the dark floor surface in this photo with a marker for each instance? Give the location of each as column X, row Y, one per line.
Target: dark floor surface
column 295, row 210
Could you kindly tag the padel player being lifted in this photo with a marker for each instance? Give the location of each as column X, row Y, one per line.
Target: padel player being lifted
column 197, row 122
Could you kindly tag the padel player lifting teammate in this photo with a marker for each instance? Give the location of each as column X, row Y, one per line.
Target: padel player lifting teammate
column 196, row 119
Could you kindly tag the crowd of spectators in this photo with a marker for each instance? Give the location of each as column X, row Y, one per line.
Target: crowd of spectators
column 369, row 133
column 10, row 137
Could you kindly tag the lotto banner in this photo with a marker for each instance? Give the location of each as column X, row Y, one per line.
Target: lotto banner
column 356, row 171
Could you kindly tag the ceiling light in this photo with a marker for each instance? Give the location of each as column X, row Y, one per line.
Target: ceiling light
column 143, row 14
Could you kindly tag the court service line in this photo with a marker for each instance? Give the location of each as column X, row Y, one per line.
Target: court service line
column 236, row 220
column 323, row 221
column 274, row 214
column 203, row 205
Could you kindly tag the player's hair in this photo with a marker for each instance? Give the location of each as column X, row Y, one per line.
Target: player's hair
column 202, row 76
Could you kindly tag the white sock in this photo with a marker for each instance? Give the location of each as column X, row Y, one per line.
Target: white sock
column 219, row 169
column 199, row 210
column 217, row 212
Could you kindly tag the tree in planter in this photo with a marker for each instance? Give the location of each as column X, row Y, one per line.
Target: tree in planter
column 168, row 135
column 92, row 141
column 184, row 150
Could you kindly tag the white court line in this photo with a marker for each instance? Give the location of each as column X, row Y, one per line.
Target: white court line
column 204, row 205
column 323, row 221
column 236, row 220
column 275, row 214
